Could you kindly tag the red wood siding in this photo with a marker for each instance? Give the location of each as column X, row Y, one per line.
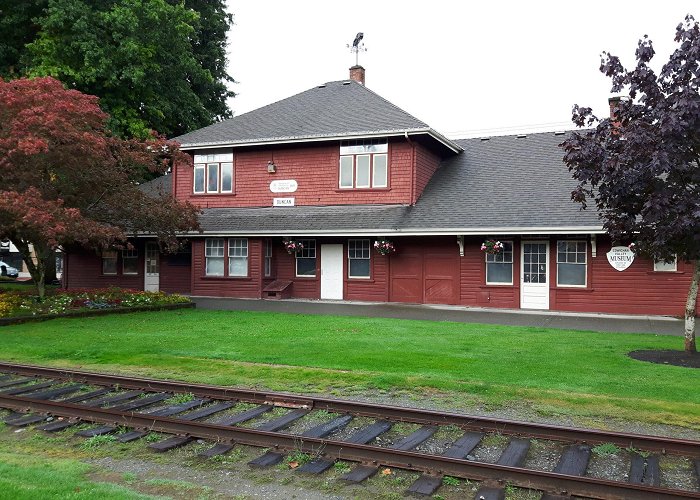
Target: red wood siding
column 473, row 288
column 636, row 290
column 83, row 269
column 225, row 286
column 374, row 289
column 426, row 164
column 315, row 167
column 175, row 278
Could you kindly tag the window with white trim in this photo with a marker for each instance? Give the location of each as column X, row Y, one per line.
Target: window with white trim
column 213, row 173
column 358, row 258
column 238, row 257
column 306, row 259
column 662, row 266
column 214, row 256
column 109, row 262
column 130, row 261
column 268, row 258
column 572, row 263
column 364, row 164
column 499, row 266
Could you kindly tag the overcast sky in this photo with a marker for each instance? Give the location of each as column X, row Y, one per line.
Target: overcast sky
column 465, row 68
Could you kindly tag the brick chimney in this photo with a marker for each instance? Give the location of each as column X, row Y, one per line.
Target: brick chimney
column 614, row 103
column 357, row 73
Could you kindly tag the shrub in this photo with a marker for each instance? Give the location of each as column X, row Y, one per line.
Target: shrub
column 21, row 303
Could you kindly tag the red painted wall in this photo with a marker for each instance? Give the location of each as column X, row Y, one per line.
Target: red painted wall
column 426, row 164
column 83, row 269
column 315, row 167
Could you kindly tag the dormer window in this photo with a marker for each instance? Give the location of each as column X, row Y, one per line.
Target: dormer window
column 213, row 173
column 364, row 164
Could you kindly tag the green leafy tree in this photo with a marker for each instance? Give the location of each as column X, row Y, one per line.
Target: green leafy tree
column 67, row 182
column 154, row 64
column 642, row 167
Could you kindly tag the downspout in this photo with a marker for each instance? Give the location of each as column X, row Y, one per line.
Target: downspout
column 413, row 168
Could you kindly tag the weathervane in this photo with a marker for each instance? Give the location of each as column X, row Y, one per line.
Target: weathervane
column 357, row 47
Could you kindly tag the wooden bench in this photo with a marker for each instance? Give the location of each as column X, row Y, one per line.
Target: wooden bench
column 278, row 289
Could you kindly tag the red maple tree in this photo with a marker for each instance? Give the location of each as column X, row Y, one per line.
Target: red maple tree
column 65, row 180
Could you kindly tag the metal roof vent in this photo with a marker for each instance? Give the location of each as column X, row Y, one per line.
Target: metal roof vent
column 347, row 82
column 322, row 86
column 522, row 136
column 484, row 138
column 559, row 132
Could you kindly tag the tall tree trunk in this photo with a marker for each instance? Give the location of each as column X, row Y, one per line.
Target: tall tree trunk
column 690, row 310
column 36, row 268
column 50, row 267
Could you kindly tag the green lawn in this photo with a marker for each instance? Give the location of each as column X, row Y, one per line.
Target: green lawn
column 584, row 374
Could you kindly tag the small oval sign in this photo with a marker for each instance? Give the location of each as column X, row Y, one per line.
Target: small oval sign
column 283, row 186
column 620, row 257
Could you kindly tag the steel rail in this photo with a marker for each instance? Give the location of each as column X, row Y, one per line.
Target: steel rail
column 659, row 444
column 545, row 481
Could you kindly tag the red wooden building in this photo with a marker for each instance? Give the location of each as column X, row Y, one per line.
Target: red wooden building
column 338, row 168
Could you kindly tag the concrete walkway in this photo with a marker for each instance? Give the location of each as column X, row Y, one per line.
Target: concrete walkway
column 614, row 323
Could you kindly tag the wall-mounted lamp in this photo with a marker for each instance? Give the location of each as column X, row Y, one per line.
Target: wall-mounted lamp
column 271, row 167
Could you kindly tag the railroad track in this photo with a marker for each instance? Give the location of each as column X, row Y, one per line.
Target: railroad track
column 388, row 436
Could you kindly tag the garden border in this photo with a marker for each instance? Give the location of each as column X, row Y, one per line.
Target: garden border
column 98, row 312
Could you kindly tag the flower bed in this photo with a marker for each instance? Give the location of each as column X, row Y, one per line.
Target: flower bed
column 23, row 304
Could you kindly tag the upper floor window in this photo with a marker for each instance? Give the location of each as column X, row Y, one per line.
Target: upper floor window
column 666, row 267
column 571, row 263
column 213, row 173
column 364, row 164
column 499, row 266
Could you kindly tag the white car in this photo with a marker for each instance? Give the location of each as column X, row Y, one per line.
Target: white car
column 8, row 270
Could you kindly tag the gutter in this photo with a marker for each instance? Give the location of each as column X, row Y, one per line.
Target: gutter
column 452, row 146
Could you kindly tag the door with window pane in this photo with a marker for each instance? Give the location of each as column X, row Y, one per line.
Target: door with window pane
column 534, row 275
column 151, row 282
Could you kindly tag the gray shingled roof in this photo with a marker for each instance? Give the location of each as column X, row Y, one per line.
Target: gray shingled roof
column 503, row 184
column 335, row 109
column 157, row 187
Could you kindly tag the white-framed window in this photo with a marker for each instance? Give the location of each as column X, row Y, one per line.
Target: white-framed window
column 109, row 262
column 572, row 262
column 358, row 258
column 499, row 266
column 213, row 173
column 238, row 257
column 666, row 267
column 214, row 256
column 268, row 258
column 306, row 259
column 130, row 261
column 364, row 164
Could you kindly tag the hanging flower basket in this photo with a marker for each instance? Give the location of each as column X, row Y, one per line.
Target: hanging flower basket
column 492, row 246
column 384, row 247
column 292, row 246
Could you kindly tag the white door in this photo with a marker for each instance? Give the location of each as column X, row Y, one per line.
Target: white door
column 151, row 282
column 534, row 275
column 332, row 272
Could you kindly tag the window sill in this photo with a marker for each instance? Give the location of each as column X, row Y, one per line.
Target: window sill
column 225, row 278
column 661, row 273
column 573, row 288
column 496, row 285
column 214, row 194
column 350, row 279
column 362, row 190
column 305, row 277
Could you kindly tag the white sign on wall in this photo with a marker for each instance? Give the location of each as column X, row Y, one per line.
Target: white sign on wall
column 282, row 202
column 283, row 186
column 620, row 257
